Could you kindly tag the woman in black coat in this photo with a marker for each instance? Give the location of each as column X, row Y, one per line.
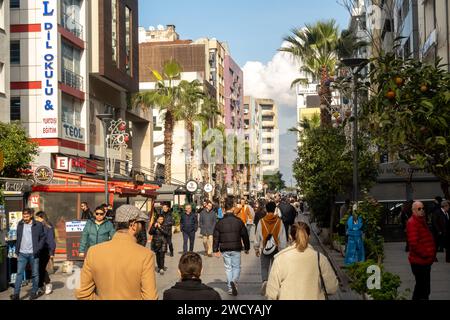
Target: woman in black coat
column 160, row 234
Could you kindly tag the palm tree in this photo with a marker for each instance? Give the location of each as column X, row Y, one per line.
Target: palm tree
column 315, row 46
column 167, row 97
column 191, row 95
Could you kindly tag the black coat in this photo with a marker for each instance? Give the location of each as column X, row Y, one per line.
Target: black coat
column 229, row 234
column 87, row 215
column 439, row 223
column 168, row 219
column 160, row 237
column 191, row 290
column 37, row 234
column 208, row 221
column 288, row 213
column 189, row 222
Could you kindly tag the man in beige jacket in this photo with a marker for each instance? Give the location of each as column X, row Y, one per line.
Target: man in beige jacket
column 120, row 269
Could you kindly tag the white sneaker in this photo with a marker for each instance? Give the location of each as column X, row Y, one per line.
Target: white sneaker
column 48, row 288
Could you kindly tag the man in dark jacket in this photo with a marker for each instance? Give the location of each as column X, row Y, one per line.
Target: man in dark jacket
column 168, row 222
column 229, row 234
column 190, row 287
column 208, row 219
column 438, row 225
column 189, row 226
column 30, row 242
column 422, row 251
column 286, row 212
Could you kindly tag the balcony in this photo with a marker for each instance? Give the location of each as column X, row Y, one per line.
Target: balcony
column 72, row 26
column 72, row 79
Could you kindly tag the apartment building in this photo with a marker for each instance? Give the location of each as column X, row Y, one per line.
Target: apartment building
column 70, row 61
column 270, row 155
column 4, row 62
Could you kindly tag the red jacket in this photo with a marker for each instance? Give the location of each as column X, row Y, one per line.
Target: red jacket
column 422, row 250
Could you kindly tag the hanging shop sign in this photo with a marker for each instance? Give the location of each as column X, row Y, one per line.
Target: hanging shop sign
column 34, row 201
column 208, row 188
column 48, row 110
column 43, row 175
column 192, row 186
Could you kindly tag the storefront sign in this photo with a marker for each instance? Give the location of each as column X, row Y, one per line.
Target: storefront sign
column 49, row 62
column 34, row 201
column 75, row 226
column 208, row 188
column 43, row 175
column 77, row 165
column 191, row 186
column 72, row 132
column 62, row 163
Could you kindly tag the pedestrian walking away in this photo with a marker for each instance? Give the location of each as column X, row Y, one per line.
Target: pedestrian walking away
column 260, row 212
column 208, row 221
column 120, row 269
column 422, row 251
column 47, row 253
column 160, row 235
column 269, row 240
column 299, row 272
column 229, row 234
column 190, row 286
column 96, row 231
column 286, row 212
column 188, row 226
column 168, row 223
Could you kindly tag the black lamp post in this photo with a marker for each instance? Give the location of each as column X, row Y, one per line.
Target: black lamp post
column 104, row 118
column 357, row 65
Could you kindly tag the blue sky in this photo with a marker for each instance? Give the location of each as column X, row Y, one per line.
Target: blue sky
column 253, row 28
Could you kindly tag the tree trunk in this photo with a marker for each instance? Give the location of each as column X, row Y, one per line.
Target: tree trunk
column 168, row 143
column 190, row 130
column 325, row 99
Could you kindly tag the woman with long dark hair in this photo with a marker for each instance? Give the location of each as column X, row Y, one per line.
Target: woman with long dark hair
column 47, row 253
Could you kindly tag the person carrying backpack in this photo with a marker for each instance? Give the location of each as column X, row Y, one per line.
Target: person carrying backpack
column 270, row 239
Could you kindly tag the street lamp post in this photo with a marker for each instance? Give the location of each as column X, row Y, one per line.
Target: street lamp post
column 353, row 63
column 104, row 118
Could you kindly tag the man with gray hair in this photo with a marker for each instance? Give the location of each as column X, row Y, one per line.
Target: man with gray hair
column 422, row 251
column 120, row 269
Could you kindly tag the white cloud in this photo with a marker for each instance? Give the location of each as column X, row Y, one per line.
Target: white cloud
column 273, row 80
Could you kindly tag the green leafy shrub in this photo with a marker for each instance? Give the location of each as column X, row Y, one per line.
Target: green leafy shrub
column 390, row 283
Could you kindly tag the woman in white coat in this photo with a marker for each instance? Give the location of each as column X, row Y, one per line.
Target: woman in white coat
column 295, row 273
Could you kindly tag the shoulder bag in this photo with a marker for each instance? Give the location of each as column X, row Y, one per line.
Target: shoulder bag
column 322, row 283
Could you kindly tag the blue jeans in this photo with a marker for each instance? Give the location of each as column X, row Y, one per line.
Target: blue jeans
column 232, row 261
column 22, row 261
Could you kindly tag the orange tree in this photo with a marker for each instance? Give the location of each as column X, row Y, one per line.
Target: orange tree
column 408, row 113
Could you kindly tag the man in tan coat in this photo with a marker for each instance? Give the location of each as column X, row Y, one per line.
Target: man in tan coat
column 120, row 269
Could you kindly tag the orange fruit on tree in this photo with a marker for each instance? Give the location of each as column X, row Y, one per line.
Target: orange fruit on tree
column 398, row 81
column 390, row 94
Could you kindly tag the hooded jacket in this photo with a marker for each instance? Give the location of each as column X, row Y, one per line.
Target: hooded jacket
column 92, row 236
column 270, row 224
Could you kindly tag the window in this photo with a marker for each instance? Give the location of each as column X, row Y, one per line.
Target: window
column 14, row 114
column 128, row 40
column 14, row 4
column 70, row 16
column 2, row 78
column 71, row 111
column 267, row 118
column 268, row 140
column 15, row 52
column 114, row 31
column 71, row 58
column 2, row 14
column 267, row 130
column 268, row 151
column 267, row 108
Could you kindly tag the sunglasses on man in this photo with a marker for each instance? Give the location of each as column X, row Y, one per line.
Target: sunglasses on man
column 100, row 213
